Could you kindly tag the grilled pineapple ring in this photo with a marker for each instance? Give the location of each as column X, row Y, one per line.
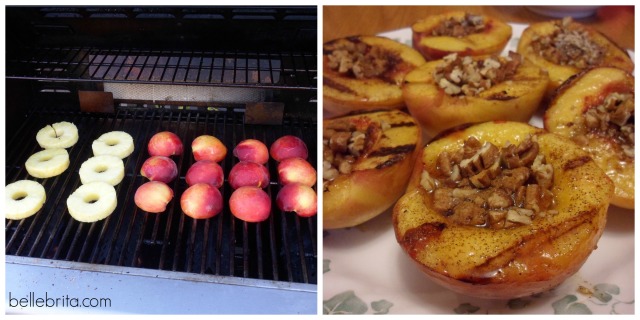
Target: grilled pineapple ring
column 23, row 199
column 47, row 163
column 92, row 201
column 114, row 143
column 377, row 176
column 58, row 135
column 512, row 262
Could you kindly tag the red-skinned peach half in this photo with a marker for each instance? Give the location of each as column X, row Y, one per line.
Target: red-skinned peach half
column 159, row 168
column 153, row 196
column 206, row 147
column 201, row 201
column 205, row 171
column 166, row 144
column 288, row 147
column 299, row 170
column 251, row 150
column 298, row 198
column 246, row 173
column 250, row 204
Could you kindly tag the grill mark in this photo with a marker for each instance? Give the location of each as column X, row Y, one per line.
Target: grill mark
column 388, row 79
column 500, row 96
column 391, row 151
column 417, row 238
column 514, row 251
column 577, row 162
column 403, row 124
column 390, row 162
column 330, row 83
column 366, row 111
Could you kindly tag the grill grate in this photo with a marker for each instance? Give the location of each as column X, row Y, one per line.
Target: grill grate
column 283, row 248
column 286, row 70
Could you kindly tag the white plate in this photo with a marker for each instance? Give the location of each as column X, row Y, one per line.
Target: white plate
column 366, row 272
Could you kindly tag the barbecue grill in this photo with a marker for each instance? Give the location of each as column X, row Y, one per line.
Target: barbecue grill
column 234, row 73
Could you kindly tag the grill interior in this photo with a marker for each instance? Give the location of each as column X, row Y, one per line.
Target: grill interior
column 189, row 70
column 283, row 248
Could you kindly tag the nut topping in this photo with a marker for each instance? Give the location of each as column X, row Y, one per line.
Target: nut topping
column 343, row 144
column 568, row 45
column 483, row 185
column 614, row 119
column 360, row 60
column 465, row 76
column 456, row 27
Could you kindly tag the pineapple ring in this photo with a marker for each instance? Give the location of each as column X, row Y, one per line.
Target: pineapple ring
column 115, row 143
column 92, row 202
column 23, row 199
column 58, row 135
column 105, row 168
column 47, row 163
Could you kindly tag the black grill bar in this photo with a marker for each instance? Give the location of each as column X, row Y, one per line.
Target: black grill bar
column 286, row 70
column 283, row 248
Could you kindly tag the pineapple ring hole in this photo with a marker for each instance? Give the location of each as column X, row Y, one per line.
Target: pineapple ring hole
column 91, row 198
column 101, row 169
column 19, row 195
column 56, row 134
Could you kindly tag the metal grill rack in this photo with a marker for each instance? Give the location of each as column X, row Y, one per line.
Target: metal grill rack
column 283, row 248
column 290, row 70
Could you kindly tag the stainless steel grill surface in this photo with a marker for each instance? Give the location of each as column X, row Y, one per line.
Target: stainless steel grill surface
column 282, row 248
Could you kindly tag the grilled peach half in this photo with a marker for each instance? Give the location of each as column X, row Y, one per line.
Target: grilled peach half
column 367, row 161
column 596, row 110
column 365, row 73
column 509, row 262
column 516, row 99
column 565, row 47
column 434, row 37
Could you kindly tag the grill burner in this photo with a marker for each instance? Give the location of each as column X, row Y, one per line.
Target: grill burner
column 283, row 248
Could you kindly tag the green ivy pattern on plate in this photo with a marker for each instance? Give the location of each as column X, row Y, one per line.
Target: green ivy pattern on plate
column 348, row 303
column 600, row 295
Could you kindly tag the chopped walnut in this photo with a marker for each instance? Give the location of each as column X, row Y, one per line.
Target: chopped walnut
column 614, row 118
column 459, row 76
column 568, row 45
column 484, row 185
column 360, row 60
column 342, row 144
column 426, row 181
column 543, row 172
column 499, row 199
column 457, row 27
column 469, row 213
column 519, row 215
